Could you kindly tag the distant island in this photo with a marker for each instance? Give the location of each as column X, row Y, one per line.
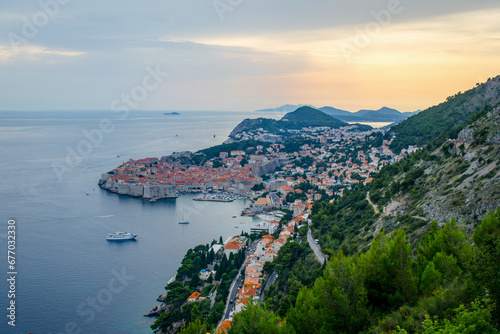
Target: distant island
column 383, row 114
column 288, row 107
column 172, row 113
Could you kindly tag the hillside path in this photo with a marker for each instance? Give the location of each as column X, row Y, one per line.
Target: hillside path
column 375, row 208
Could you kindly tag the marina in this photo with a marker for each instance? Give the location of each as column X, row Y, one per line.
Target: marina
column 219, row 197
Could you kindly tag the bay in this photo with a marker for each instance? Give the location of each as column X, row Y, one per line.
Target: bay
column 69, row 277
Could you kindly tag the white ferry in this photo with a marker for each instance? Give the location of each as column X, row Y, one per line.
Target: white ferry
column 119, row 236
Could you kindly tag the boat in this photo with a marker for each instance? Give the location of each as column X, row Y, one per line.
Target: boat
column 184, row 221
column 121, row 236
column 234, row 216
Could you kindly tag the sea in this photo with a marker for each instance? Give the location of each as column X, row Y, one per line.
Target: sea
column 66, row 277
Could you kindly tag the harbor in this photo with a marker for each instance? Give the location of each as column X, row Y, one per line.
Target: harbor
column 219, row 197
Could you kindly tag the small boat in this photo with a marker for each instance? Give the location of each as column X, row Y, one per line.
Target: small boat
column 184, row 221
column 121, row 236
column 234, row 216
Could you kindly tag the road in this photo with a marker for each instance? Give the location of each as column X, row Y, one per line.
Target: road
column 233, row 292
column 235, row 286
column 271, row 280
column 316, row 248
column 275, row 200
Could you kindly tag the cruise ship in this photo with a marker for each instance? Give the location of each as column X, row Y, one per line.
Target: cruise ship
column 119, row 236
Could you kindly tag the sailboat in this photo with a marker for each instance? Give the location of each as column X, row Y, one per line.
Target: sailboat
column 183, row 221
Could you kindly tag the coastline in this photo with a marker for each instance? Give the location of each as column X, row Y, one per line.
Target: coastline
column 243, row 168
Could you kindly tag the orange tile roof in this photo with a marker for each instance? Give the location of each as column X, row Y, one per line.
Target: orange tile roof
column 253, row 270
column 249, row 291
column 233, row 245
column 194, row 295
column 224, row 327
column 251, row 281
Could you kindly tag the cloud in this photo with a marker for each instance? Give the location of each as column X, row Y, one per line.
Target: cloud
column 34, row 53
column 263, row 53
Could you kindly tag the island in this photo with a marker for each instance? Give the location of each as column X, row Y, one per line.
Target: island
column 171, row 113
column 383, row 114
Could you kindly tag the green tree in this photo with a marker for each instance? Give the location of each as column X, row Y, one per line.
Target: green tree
column 307, row 316
column 343, row 295
column 258, row 187
column 389, row 275
column 195, row 327
column 216, row 313
column 431, row 279
column 449, row 240
column 256, row 320
column 477, row 319
column 487, row 263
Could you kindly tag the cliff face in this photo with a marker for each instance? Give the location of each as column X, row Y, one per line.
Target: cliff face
column 462, row 180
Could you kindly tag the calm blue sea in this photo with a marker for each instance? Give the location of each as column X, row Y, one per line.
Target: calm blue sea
column 70, row 279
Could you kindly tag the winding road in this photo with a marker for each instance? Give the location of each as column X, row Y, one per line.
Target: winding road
column 316, row 248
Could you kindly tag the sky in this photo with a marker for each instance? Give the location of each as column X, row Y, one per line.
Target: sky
column 243, row 55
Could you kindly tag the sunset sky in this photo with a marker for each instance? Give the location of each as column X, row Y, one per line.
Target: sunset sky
column 244, row 54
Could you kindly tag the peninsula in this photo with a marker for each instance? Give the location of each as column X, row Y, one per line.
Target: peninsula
column 295, row 147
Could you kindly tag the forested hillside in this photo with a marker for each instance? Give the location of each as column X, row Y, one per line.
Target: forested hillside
column 447, row 118
column 443, row 285
column 302, row 117
column 415, row 251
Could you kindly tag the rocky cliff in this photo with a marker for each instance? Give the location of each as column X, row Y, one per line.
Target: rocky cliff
column 460, row 179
